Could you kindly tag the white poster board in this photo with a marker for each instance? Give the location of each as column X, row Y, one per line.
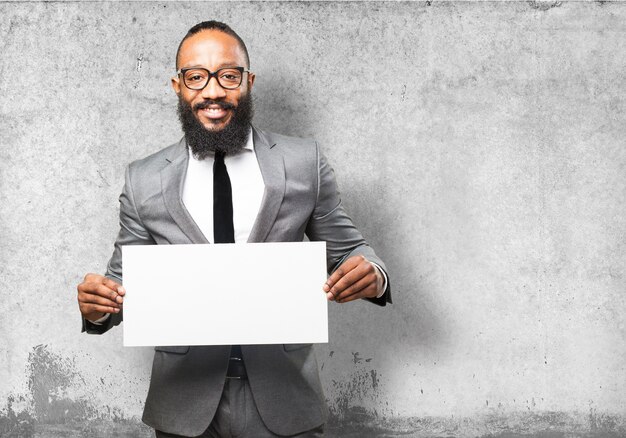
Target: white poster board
column 224, row 294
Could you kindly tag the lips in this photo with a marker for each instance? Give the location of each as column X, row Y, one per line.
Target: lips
column 214, row 110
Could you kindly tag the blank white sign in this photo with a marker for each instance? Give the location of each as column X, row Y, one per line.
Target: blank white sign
column 224, row 294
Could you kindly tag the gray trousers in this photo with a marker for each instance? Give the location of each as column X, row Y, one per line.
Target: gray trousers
column 237, row 417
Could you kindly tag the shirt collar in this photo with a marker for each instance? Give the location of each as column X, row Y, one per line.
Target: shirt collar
column 250, row 143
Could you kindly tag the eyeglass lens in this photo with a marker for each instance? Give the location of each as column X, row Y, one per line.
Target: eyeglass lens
column 197, row 79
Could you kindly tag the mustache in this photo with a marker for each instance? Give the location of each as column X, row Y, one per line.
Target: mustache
column 207, row 103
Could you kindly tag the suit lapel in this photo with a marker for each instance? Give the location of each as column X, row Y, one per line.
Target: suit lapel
column 172, row 183
column 273, row 172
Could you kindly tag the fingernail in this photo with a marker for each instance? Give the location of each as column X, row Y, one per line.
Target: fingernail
column 116, row 310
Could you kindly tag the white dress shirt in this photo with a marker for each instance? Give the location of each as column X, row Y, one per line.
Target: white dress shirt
column 247, row 185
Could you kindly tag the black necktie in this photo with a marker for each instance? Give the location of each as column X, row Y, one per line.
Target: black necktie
column 223, row 229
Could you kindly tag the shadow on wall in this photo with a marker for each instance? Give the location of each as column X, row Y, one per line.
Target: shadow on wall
column 409, row 324
column 285, row 111
column 282, row 109
column 357, row 404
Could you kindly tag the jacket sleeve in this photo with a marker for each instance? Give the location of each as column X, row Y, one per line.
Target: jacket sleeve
column 132, row 232
column 330, row 222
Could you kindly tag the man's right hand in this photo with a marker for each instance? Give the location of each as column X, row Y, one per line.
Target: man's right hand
column 99, row 295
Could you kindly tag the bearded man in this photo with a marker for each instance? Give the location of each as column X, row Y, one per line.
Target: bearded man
column 226, row 182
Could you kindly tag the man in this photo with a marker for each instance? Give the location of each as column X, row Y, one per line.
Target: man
column 227, row 181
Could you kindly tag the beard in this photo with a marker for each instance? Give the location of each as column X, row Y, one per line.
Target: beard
column 229, row 140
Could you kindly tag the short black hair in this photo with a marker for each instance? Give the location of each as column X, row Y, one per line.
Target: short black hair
column 215, row 25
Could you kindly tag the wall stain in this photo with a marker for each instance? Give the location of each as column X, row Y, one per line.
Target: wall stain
column 138, row 66
column 374, row 379
column 139, row 62
column 544, row 5
column 362, row 388
column 357, row 410
column 50, row 378
column 513, row 425
column 355, row 358
column 602, row 422
column 104, row 180
column 16, row 424
column 51, row 410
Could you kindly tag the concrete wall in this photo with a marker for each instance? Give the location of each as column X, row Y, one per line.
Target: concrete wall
column 479, row 147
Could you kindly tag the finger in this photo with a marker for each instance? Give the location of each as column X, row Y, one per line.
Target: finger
column 98, row 289
column 109, row 293
column 362, row 270
column 96, row 299
column 344, row 282
column 360, row 294
column 356, row 287
column 342, row 270
column 114, row 286
column 118, row 288
column 91, row 277
column 105, row 309
column 92, row 308
column 334, row 277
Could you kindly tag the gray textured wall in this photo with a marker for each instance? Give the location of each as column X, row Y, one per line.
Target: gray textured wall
column 479, row 147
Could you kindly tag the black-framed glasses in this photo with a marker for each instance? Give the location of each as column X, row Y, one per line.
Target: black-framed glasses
column 196, row 78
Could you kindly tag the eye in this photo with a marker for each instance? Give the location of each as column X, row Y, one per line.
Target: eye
column 230, row 75
column 195, row 76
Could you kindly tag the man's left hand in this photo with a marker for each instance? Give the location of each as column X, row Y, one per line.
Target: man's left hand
column 357, row 277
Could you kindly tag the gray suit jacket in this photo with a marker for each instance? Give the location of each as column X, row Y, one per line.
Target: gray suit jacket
column 300, row 197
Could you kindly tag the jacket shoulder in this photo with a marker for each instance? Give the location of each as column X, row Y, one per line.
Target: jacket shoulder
column 277, row 139
column 299, row 151
column 153, row 163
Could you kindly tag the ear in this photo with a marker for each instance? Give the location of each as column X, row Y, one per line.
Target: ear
column 176, row 85
column 251, row 78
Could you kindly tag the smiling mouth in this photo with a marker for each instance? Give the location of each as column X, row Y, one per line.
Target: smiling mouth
column 214, row 110
column 214, row 113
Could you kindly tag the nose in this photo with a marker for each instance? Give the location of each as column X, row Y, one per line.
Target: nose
column 213, row 90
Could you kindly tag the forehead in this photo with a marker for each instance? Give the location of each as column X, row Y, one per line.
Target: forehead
column 211, row 49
